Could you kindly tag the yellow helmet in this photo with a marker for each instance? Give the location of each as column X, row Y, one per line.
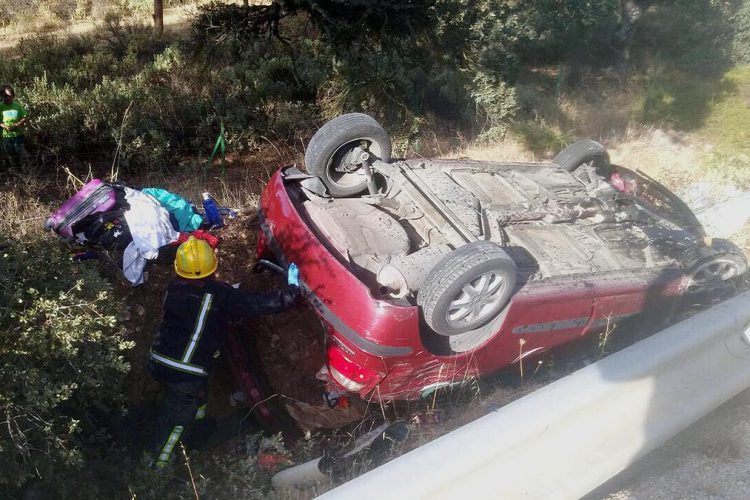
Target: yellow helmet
column 195, row 259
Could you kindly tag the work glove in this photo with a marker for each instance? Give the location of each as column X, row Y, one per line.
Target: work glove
column 292, row 275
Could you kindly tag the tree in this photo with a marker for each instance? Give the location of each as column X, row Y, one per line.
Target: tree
column 159, row 17
column 631, row 12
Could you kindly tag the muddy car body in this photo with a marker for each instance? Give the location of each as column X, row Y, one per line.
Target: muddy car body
column 428, row 272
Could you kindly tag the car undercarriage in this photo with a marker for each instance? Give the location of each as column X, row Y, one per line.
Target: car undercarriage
column 548, row 221
column 428, row 270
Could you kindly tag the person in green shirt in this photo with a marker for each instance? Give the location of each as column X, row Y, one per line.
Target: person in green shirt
column 14, row 116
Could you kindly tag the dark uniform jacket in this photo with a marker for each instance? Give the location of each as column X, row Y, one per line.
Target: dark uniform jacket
column 194, row 324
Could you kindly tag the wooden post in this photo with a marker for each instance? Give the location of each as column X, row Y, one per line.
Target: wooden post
column 159, row 17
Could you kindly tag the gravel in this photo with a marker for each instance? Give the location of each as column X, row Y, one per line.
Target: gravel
column 708, row 460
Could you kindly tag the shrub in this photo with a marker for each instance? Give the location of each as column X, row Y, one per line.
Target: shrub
column 541, row 138
column 496, row 103
column 61, row 361
column 741, row 23
column 277, row 70
column 691, row 35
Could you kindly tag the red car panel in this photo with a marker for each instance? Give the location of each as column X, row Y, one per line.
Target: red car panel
column 386, row 347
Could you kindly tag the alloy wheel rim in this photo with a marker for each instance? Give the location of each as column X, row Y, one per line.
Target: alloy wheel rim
column 476, row 301
column 713, row 273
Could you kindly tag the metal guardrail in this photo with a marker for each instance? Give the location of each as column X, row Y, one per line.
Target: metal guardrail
column 571, row 436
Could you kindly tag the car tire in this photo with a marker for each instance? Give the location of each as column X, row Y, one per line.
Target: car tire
column 467, row 288
column 329, row 153
column 582, row 152
column 714, row 267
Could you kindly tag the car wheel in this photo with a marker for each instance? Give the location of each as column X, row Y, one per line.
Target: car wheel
column 467, row 289
column 709, row 268
column 582, row 152
column 333, row 152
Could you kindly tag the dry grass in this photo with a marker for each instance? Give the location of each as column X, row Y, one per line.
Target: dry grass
column 662, row 154
column 509, row 149
column 24, row 212
column 41, row 20
column 239, row 189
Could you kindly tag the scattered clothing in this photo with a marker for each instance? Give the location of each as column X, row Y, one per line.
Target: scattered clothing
column 185, row 216
column 138, row 223
column 107, row 229
column 150, row 228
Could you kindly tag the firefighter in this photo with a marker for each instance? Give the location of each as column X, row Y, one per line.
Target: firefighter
column 191, row 333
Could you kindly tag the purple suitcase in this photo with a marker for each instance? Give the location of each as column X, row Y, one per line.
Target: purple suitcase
column 94, row 197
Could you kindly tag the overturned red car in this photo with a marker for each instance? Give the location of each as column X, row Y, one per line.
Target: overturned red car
column 427, row 272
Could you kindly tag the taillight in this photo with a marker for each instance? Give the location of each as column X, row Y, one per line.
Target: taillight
column 349, row 374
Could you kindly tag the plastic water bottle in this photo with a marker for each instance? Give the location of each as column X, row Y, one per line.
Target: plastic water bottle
column 212, row 211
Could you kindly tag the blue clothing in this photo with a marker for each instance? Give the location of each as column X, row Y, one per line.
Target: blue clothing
column 179, row 208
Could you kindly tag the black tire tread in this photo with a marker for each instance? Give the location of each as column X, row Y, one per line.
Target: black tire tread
column 698, row 255
column 452, row 267
column 579, row 152
column 336, row 132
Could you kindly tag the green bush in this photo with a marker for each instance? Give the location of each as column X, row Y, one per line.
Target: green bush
column 690, row 35
column 61, row 362
column 155, row 101
column 269, row 71
column 540, row 138
column 496, row 102
column 280, row 70
column 741, row 24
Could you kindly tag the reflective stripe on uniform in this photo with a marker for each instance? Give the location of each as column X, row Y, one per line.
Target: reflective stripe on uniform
column 200, row 414
column 177, row 365
column 166, row 450
column 199, row 325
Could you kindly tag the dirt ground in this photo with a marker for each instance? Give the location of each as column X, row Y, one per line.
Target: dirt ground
column 289, row 345
column 176, row 20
